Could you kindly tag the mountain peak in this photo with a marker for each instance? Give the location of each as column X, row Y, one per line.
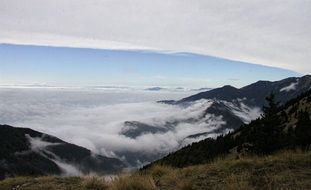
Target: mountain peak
column 229, row 87
column 255, row 92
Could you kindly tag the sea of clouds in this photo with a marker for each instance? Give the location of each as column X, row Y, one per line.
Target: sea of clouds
column 94, row 118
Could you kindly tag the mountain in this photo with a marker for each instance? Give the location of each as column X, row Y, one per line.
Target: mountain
column 254, row 94
column 24, row 151
column 235, row 105
column 217, row 111
column 155, row 88
column 263, row 154
column 134, row 129
column 286, row 126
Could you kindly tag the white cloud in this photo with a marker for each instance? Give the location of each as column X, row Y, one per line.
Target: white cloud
column 290, row 87
column 94, row 119
column 274, row 33
column 244, row 112
column 68, row 169
column 39, row 145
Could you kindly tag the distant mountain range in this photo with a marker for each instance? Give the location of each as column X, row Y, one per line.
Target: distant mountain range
column 24, row 151
column 286, row 126
column 229, row 101
column 107, row 87
column 156, row 88
column 254, row 94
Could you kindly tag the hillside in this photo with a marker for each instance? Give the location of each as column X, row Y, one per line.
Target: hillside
column 217, row 111
column 24, row 151
column 236, row 106
column 280, row 127
column 284, row 170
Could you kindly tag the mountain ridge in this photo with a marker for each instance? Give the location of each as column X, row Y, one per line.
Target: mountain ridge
column 228, row 92
column 230, row 107
column 286, row 126
column 24, row 151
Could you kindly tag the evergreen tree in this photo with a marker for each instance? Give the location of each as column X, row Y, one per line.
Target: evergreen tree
column 303, row 130
column 272, row 107
column 290, row 137
column 268, row 135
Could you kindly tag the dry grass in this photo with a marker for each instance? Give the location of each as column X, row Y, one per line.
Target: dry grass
column 285, row 170
column 46, row 183
column 157, row 171
column 95, row 183
column 133, row 182
column 175, row 180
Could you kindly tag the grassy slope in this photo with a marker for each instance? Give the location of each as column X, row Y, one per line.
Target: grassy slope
column 285, row 170
column 280, row 171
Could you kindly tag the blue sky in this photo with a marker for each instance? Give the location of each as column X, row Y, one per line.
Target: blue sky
column 22, row 64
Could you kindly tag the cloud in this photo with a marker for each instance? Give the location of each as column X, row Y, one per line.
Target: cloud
column 290, row 87
column 95, row 119
column 68, row 169
column 273, row 33
column 244, row 112
column 38, row 145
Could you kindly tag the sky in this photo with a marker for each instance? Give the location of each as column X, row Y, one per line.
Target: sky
column 139, row 42
column 37, row 65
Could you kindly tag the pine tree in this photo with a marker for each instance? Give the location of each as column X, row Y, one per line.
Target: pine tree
column 269, row 136
column 272, row 107
column 303, row 130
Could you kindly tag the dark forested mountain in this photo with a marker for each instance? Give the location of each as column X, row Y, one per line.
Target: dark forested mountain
column 281, row 126
column 228, row 100
column 254, row 94
column 235, row 106
column 24, row 151
column 134, row 129
column 227, row 109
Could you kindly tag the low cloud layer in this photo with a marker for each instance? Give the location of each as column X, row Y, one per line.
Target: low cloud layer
column 273, row 33
column 40, row 146
column 95, row 119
